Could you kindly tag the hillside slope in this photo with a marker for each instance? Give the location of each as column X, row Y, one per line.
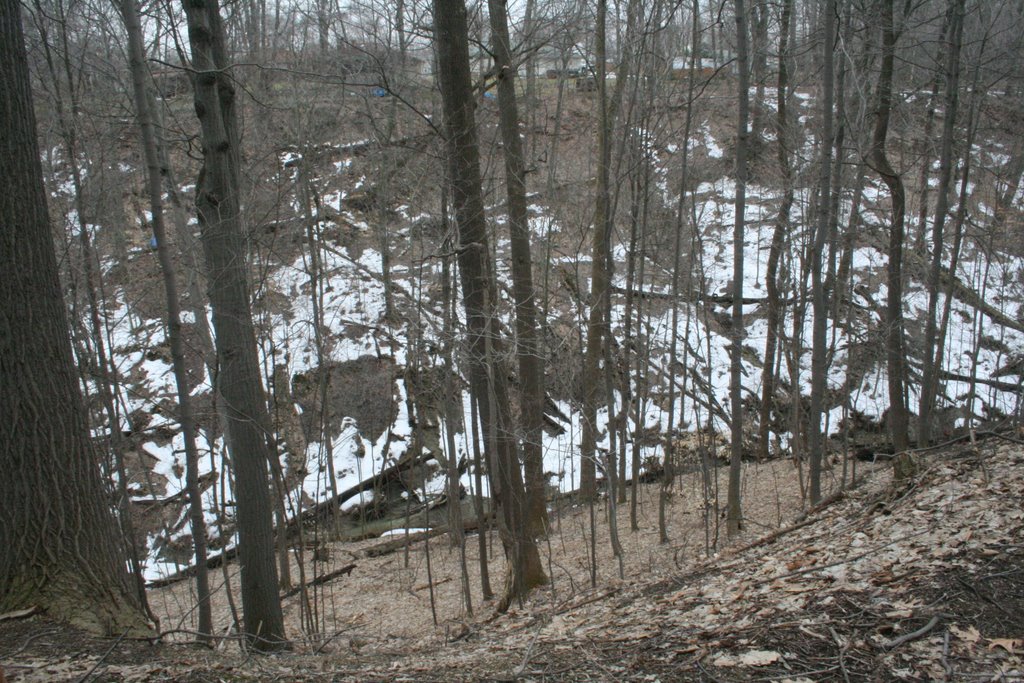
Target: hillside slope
column 920, row 582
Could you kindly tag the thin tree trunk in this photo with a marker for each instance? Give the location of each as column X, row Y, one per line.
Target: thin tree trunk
column 734, row 516
column 239, row 384
column 774, row 308
column 481, row 514
column 452, row 391
column 528, row 347
column 819, row 307
column 760, row 63
column 197, row 523
column 895, row 352
column 930, row 381
column 599, row 275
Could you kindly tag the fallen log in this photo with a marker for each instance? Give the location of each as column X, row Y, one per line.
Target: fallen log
column 320, row 510
column 398, row 543
column 385, row 476
column 719, row 299
column 320, row 580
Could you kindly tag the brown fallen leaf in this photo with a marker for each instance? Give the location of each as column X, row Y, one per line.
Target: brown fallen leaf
column 881, row 578
column 749, row 658
column 969, row 634
column 1011, row 645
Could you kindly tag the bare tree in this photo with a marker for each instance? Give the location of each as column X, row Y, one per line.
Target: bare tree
column 487, row 377
column 895, row 351
column 238, row 379
column 933, row 356
column 599, row 273
column 734, row 517
column 773, row 314
column 137, row 63
column 528, row 350
column 819, row 307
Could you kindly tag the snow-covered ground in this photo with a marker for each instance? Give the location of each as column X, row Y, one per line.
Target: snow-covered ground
column 353, row 313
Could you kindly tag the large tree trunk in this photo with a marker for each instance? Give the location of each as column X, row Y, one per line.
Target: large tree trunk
column 528, row 348
column 734, row 516
column 59, row 546
column 238, row 378
column 895, row 353
column 487, row 377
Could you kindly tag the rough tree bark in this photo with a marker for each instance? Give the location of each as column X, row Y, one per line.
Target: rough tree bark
column 239, row 384
column 57, row 535
column 479, row 296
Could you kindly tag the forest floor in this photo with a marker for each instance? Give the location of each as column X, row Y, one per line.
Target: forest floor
column 921, row 581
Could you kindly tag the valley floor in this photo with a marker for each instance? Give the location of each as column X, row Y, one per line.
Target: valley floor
column 919, row 582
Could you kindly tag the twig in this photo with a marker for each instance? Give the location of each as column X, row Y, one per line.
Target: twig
column 821, row 505
column 28, row 641
column 842, row 653
column 963, row 582
column 600, row 596
column 804, row 674
column 102, row 659
column 425, row 586
column 774, row 536
column 199, row 636
column 1004, row 437
column 529, row 651
column 914, row 635
column 327, row 640
column 945, row 656
column 20, row 614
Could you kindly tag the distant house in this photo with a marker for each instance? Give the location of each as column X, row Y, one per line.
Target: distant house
column 706, row 68
column 550, row 66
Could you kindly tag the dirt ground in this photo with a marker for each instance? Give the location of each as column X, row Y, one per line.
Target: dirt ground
column 924, row 582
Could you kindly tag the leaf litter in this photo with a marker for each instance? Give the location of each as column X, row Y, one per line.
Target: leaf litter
column 921, row 582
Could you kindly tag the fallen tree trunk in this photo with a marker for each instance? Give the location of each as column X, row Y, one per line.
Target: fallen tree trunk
column 320, row 510
column 399, row 542
column 385, row 476
column 966, row 294
column 972, row 298
column 718, row 299
column 320, row 580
